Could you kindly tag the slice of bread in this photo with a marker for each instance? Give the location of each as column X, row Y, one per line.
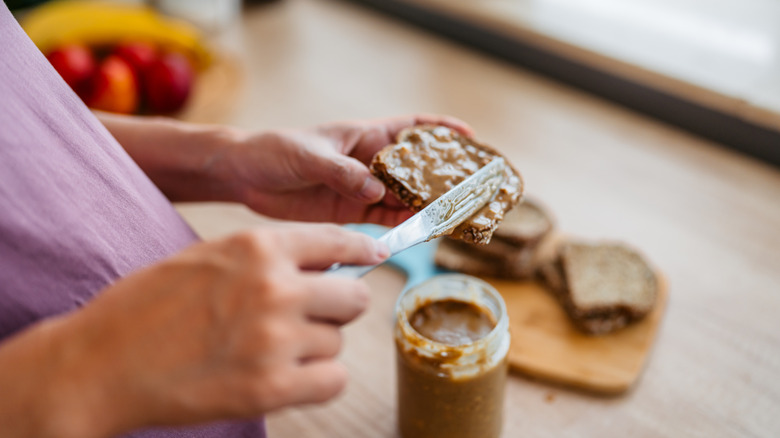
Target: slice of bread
column 603, row 286
column 526, row 224
column 426, row 161
column 514, row 254
column 523, row 228
column 495, row 249
column 461, row 257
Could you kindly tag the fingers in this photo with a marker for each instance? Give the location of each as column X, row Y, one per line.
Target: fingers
column 335, row 299
column 321, row 380
column 347, row 176
column 319, row 246
column 392, row 201
column 307, row 246
column 390, row 217
column 313, row 382
column 321, row 341
column 376, row 134
column 343, row 169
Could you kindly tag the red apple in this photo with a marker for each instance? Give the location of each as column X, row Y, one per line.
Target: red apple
column 114, row 87
column 168, row 82
column 76, row 64
column 140, row 55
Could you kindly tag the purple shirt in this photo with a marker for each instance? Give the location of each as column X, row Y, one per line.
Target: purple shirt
column 76, row 213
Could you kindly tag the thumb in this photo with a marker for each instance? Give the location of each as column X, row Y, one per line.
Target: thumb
column 348, row 176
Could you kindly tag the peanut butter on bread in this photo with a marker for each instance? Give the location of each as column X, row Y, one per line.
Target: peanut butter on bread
column 427, row 161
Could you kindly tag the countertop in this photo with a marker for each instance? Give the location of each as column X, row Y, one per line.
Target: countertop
column 725, row 56
column 706, row 216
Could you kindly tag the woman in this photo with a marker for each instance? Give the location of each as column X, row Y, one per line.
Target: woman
column 114, row 320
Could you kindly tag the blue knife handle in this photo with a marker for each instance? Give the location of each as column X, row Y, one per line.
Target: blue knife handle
column 416, row 262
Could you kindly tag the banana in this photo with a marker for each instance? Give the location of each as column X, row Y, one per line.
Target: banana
column 100, row 23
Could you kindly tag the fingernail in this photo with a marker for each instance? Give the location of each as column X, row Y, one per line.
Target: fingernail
column 372, row 190
column 382, row 250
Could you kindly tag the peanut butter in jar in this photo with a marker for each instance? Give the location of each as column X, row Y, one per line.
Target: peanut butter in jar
column 452, row 340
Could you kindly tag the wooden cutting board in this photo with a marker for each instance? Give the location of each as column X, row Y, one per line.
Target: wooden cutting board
column 547, row 346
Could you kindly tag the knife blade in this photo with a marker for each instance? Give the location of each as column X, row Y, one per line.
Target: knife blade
column 440, row 217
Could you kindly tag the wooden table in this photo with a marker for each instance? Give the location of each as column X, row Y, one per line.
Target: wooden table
column 709, row 218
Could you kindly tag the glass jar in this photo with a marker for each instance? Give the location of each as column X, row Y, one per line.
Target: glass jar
column 453, row 389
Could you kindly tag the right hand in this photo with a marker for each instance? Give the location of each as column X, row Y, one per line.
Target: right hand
column 225, row 329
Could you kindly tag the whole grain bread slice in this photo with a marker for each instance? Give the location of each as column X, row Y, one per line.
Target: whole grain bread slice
column 426, row 161
column 526, row 224
column 522, row 230
column 603, row 286
column 521, row 243
column 462, row 257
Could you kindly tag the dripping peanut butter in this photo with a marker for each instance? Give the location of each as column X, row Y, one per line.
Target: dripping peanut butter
column 452, row 341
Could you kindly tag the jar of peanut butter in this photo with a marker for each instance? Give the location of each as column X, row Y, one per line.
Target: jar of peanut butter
column 452, row 340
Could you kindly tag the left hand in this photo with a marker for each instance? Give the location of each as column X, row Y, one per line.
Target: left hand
column 321, row 174
column 316, row 174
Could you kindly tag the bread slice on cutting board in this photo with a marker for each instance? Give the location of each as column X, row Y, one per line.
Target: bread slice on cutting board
column 602, row 286
column 520, row 244
column 526, row 224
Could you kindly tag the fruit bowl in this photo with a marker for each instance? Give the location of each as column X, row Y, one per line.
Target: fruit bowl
column 128, row 59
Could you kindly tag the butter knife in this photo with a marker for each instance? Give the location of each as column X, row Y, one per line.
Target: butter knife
column 440, row 217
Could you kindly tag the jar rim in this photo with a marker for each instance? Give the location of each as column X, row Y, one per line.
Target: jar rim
column 502, row 318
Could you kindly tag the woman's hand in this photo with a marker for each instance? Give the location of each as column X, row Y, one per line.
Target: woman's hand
column 317, row 174
column 226, row 329
column 321, row 174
